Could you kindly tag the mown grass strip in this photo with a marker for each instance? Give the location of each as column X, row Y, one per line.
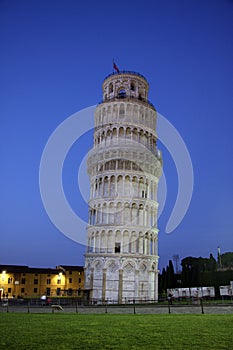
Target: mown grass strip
column 75, row 331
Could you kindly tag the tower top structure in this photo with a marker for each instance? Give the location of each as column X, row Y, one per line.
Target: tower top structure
column 126, row 85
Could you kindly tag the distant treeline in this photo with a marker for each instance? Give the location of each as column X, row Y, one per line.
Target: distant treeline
column 198, row 272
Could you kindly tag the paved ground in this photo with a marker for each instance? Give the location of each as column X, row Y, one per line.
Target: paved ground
column 128, row 309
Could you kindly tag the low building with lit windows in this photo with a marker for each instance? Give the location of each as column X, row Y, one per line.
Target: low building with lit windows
column 24, row 281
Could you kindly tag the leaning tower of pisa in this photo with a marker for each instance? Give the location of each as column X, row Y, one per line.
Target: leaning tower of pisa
column 124, row 166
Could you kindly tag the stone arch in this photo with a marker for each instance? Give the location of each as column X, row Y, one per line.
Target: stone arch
column 135, row 113
column 141, row 186
column 114, row 112
column 127, row 164
column 127, row 186
column 153, row 266
column 121, row 132
column 119, row 185
column 128, row 266
column 114, row 133
column 152, row 119
column 121, row 92
column 112, row 266
column 118, row 243
column 111, row 213
column 128, row 133
column 141, row 215
column 109, row 113
column 97, row 264
column 143, row 266
column 132, row 86
column 104, row 213
column 134, row 211
column 147, row 216
column 135, row 186
column 98, row 214
column 146, row 244
column 122, row 110
column 127, row 216
column 110, row 241
column 141, row 93
column 147, row 120
column 140, row 245
column 112, row 186
column 104, row 114
column 132, row 243
column 125, row 245
column 129, row 109
column 151, row 244
column 97, row 242
column 141, row 115
column 119, row 212
column 110, row 88
column 103, row 242
column 108, row 136
column 135, row 134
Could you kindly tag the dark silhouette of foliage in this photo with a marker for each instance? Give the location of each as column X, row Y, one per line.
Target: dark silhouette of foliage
column 198, row 272
column 227, row 260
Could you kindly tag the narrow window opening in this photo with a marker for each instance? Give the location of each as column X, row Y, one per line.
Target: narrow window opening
column 117, row 247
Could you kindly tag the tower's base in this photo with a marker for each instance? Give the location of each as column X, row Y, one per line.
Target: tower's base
column 120, row 279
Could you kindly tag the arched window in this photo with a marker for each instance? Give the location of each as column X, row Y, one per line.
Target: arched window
column 110, row 88
column 122, row 110
column 132, row 86
column 121, row 93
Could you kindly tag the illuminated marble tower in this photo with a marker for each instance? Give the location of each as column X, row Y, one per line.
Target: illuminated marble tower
column 124, row 166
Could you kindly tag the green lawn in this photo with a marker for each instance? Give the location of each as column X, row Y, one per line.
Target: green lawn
column 74, row 331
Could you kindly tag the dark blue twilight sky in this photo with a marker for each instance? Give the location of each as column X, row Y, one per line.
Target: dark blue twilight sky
column 54, row 57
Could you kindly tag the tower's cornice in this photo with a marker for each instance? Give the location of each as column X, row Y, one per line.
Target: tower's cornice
column 126, row 72
column 131, row 99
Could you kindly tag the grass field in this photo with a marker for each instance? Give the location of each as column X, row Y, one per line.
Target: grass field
column 74, row 331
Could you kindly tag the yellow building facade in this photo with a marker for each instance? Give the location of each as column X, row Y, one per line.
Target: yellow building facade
column 23, row 281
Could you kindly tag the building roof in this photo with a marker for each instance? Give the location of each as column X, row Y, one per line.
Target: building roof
column 27, row 269
column 71, row 267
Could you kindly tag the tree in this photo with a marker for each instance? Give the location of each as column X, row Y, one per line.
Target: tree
column 227, row 259
column 171, row 280
column 163, row 282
